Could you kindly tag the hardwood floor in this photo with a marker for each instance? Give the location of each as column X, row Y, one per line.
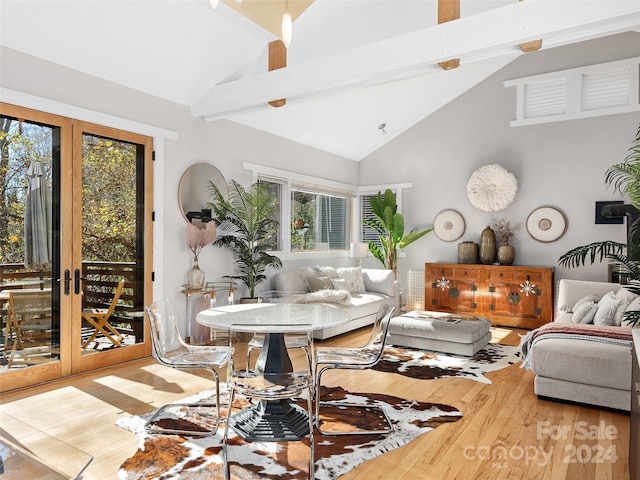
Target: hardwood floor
column 506, row 432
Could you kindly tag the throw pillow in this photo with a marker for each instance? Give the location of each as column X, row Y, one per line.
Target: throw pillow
column 326, row 272
column 585, row 313
column 353, row 279
column 586, row 299
column 632, row 307
column 607, row 308
column 319, row 283
column 626, row 298
column 339, row 284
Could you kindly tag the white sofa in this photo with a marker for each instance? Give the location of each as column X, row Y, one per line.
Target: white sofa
column 584, row 362
column 359, row 291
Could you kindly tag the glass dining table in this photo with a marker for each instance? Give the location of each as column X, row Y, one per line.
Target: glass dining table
column 276, row 319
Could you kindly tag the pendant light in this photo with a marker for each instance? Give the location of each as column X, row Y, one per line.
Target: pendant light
column 287, row 29
column 213, row 3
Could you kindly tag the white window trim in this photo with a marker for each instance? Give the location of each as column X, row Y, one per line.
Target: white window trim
column 287, row 177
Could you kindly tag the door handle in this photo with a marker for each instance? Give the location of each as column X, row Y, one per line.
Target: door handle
column 76, row 282
column 67, row 281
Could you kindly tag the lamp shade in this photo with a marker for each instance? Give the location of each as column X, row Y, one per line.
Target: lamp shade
column 359, row 250
column 287, row 29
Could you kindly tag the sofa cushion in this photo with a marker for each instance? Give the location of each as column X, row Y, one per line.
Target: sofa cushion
column 326, row 271
column 585, row 313
column 290, row 281
column 607, row 308
column 379, row 280
column 363, row 304
column 580, row 361
column 570, row 291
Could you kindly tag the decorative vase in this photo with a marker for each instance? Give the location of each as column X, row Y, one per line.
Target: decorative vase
column 195, row 276
column 506, row 254
column 487, row 246
column 468, row 252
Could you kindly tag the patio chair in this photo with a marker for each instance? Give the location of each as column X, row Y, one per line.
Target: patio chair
column 28, row 325
column 99, row 319
column 170, row 350
column 276, row 380
column 359, row 358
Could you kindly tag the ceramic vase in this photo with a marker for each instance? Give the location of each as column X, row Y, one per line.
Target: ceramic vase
column 487, row 246
column 506, row 254
column 468, row 252
column 195, row 276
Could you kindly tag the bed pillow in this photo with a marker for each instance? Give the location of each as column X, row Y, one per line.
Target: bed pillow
column 585, row 312
column 607, row 308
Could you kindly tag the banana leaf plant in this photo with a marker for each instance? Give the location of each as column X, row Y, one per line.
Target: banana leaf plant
column 245, row 223
column 625, row 179
column 390, row 227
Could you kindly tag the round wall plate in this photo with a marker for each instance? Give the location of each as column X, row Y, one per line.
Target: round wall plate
column 448, row 225
column 546, row 224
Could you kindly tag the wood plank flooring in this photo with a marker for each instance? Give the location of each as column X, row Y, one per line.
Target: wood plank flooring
column 506, row 432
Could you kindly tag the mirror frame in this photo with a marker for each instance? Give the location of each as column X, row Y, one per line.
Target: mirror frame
column 193, row 191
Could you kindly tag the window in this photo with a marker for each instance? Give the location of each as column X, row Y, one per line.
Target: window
column 314, row 214
column 320, row 220
column 366, row 193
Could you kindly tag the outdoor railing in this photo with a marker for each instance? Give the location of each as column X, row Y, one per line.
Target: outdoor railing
column 99, row 280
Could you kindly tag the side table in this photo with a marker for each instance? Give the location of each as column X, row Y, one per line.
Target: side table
column 213, row 294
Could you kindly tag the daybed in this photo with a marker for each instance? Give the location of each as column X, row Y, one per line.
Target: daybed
column 359, row 291
column 584, row 355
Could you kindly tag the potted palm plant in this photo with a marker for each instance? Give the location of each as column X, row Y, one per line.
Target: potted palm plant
column 625, row 179
column 245, row 223
column 390, row 226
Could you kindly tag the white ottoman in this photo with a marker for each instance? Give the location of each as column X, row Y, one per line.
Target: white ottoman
column 440, row 332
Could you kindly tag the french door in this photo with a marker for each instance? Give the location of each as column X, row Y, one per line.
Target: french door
column 75, row 263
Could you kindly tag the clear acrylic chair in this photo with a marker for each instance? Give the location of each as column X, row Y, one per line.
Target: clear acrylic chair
column 170, row 349
column 357, row 358
column 282, row 373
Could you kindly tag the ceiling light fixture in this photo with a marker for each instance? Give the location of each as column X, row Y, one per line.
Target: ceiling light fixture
column 287, row 29
column 213, row 3
column 382, row 127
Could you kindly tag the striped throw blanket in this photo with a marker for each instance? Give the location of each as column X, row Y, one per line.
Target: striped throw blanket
column 577, row 331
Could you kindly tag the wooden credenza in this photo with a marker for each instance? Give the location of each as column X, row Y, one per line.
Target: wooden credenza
column 514, row 296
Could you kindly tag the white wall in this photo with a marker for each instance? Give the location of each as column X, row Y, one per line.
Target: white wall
column 558, row 164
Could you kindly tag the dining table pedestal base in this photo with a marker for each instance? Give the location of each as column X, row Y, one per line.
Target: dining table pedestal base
column 271, row 420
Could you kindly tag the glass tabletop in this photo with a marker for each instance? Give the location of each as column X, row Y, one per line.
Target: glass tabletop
column 275, row 316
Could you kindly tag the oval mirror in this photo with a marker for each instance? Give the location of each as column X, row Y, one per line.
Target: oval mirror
column 194, row 191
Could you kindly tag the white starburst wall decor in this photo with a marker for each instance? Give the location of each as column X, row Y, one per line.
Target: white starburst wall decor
column 492, row 188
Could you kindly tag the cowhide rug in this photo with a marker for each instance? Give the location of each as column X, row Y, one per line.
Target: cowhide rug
column 427, row 365
column 178, row 457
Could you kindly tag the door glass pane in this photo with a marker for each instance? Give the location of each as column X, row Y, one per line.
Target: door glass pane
column 29, row 316
column 112, row 236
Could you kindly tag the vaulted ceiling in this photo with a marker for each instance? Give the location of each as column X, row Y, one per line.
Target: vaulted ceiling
column 352, row 66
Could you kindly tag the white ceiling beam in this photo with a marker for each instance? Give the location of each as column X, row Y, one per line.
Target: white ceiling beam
column 483, row 35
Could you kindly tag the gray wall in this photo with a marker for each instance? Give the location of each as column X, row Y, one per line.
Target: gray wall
column 559, row 164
